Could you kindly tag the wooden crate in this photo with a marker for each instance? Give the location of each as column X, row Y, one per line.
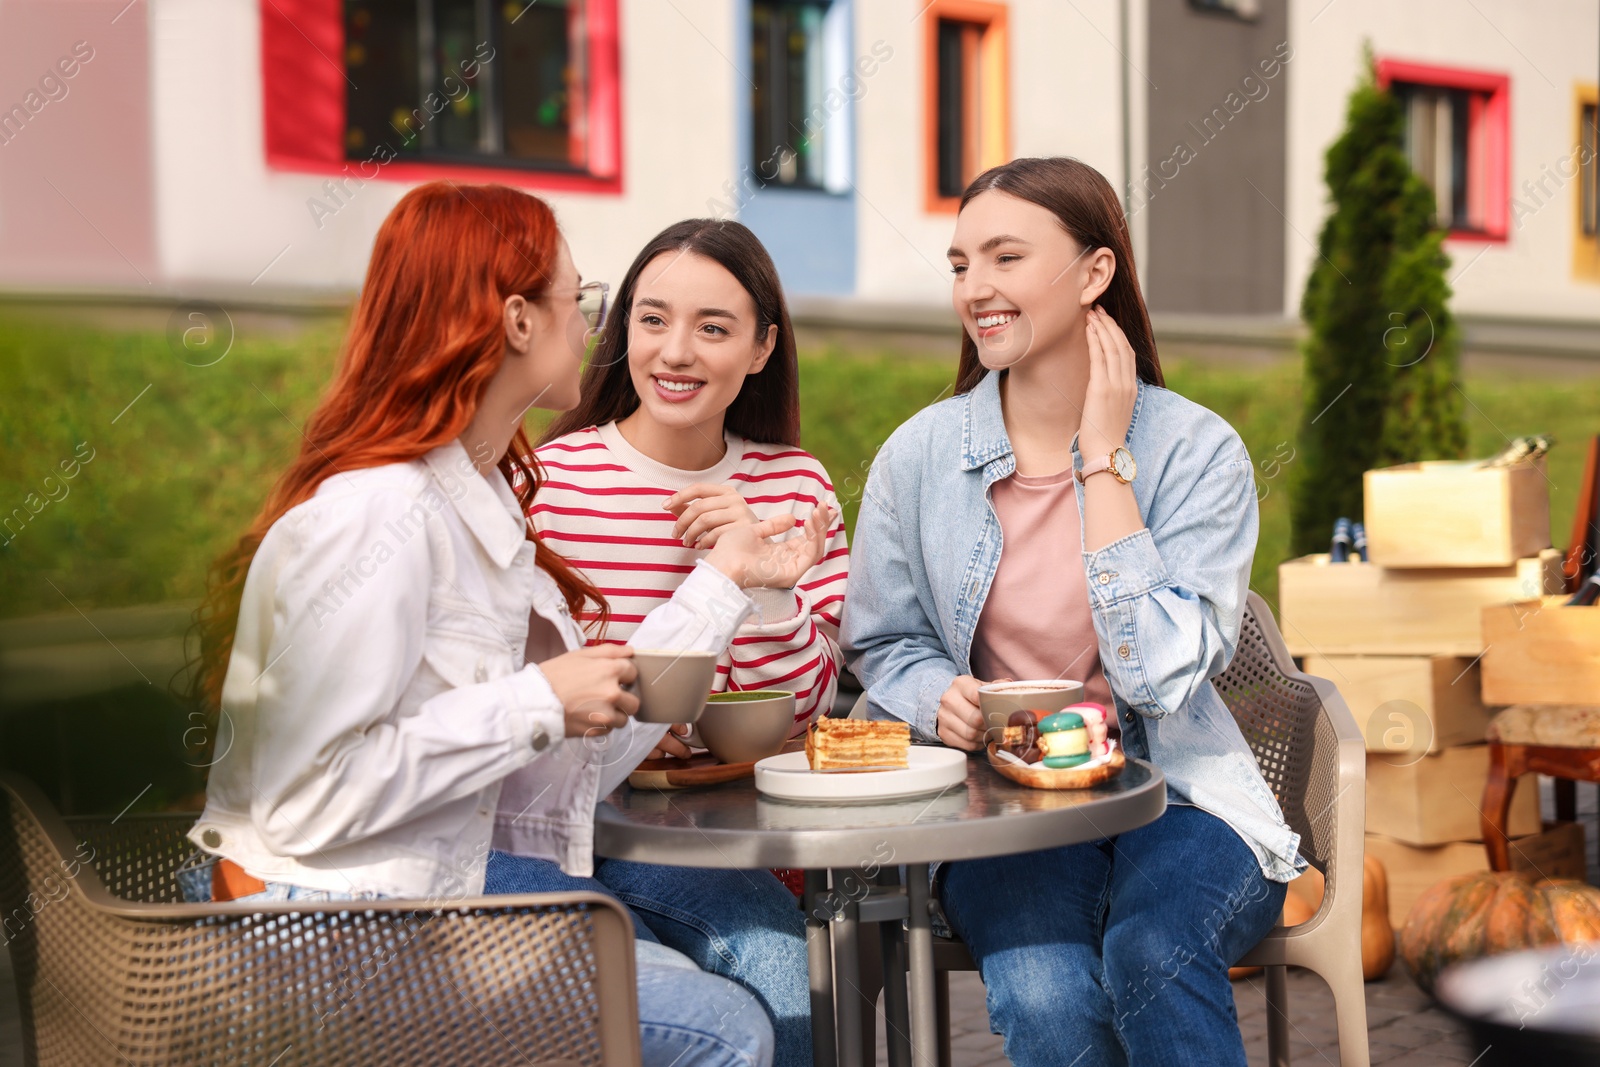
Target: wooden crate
column 1408, row 703
column 1359, row 608
column 1554, row 852
column 1541, row 652
column 1431, row 800
column 1452, row 514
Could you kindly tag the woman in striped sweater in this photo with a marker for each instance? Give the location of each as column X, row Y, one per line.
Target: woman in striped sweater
column 687, row 427
column 687, row 424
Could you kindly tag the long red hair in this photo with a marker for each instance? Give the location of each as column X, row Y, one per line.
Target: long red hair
column 425, row 339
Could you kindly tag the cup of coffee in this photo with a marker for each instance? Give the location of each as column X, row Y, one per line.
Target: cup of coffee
column 998, row 700
column 672, row 685
column 745, row 727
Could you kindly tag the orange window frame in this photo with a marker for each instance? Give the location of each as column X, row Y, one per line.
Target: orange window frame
column 986, row 120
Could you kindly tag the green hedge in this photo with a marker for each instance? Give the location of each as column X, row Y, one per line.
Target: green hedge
column 175, row 476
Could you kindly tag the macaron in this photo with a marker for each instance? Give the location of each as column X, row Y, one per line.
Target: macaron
column 1064, row 739
column 1093, row 715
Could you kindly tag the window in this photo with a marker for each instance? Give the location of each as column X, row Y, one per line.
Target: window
column 788, row 115
column 468, row 81
column 1441, row 148
column 414, row 89
column 968, row 111
column 1583, row 167
column 1588, row 170
column 1456, row 139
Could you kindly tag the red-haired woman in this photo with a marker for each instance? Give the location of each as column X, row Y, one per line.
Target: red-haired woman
column 401, row 678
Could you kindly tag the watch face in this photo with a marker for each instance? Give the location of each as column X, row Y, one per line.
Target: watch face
column 1122, row 464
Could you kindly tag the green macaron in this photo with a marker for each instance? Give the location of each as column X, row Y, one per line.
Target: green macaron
column 1064, row 739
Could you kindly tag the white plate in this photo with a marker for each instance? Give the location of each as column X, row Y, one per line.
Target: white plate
column 931, row 768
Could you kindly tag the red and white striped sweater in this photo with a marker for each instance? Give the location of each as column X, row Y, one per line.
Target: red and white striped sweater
column 600, row 508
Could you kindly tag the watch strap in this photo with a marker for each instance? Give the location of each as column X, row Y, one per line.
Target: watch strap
column 1093, row 466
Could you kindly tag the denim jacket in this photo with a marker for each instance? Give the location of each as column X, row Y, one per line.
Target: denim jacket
column 1167, row 601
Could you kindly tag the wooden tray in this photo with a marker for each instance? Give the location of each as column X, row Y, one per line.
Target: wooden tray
column 700, row 769
column 1038, row 776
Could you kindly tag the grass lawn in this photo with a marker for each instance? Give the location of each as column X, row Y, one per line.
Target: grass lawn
column 179, row 456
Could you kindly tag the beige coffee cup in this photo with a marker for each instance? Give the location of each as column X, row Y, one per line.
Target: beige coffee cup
column 998, row 700
column 672, row 685
column 745, row 727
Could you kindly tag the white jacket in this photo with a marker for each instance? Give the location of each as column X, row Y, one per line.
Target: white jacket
column 379, row 729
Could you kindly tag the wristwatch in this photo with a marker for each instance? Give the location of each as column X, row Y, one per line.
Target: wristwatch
column 1120, row 463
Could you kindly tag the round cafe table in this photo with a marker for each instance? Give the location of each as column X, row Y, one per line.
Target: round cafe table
column 844, row 847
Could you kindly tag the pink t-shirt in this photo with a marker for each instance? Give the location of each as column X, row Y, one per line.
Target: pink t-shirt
column 1036, row 621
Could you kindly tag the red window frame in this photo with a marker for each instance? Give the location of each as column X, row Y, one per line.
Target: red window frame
column 303, row 103
column 1489, row 136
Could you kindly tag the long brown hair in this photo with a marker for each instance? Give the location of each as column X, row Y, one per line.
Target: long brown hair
column 424, row 341
column 767, row 408
column 1087, row 207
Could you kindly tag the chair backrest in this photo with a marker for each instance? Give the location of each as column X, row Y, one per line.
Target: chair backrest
column 116, row 979
column 1293, row 736
column 137, row 856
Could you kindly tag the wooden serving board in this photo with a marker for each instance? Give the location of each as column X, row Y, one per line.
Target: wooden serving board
column 702, row 768
column 1038, row 776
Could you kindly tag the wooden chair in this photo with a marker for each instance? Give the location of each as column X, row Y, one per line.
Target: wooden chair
column 111, row 969
column 1315, row 762
column 1561, row 740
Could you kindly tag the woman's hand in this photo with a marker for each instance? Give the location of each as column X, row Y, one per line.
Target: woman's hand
column 670, row 745
column 704, row 511
column 589, row 683
column 745, row 554
column 1113, row 386
column 960, row 720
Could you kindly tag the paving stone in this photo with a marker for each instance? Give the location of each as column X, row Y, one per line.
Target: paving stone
column 1406, row 1029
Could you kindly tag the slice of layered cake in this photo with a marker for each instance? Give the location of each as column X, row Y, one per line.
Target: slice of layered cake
column 848, row 744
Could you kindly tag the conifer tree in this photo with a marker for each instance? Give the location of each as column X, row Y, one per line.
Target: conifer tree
column 1382, row 351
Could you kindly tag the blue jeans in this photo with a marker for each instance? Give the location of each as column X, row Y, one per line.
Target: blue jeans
column 1123, row 945
column 687, row 1018
column 742, row 925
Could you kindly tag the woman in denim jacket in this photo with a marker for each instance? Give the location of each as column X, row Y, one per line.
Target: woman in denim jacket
column 1063, row 515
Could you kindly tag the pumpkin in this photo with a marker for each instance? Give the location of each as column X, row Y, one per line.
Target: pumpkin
column 1377, row 936
column 1487, row 913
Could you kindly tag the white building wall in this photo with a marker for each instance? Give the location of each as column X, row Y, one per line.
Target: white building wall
column 1546, row 48
column 225, row 220
column 1065, row 94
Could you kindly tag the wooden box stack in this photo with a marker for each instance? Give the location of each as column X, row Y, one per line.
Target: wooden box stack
column 1402, row 636
column 1541, row 652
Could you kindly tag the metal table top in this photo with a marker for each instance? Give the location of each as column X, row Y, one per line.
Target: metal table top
column 733, row 826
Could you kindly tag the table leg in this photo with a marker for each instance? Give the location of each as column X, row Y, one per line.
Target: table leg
column 919, row 963
column 896, row 1024
column 847, row 975
column 819, row 955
